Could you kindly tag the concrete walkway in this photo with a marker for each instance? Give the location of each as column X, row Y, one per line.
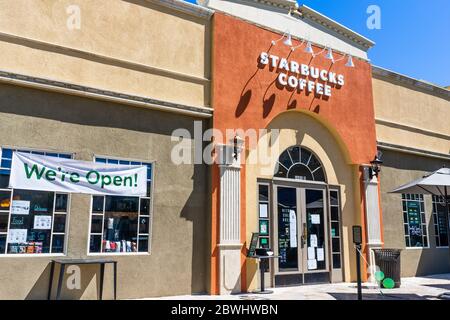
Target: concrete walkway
column 420, row 288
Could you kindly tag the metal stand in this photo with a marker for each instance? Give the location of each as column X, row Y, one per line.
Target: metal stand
column 358, row 271
column 263, row 266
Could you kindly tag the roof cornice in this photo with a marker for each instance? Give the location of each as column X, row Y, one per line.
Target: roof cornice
column 393, row 76
column 311, row 14
column 185, row 7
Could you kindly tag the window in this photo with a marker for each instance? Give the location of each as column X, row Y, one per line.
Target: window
column 31, row 221
column 263, row 216
column 414, row 221
column 121, row 224
column 301, row 164
column 440, row 218
column 335, row 221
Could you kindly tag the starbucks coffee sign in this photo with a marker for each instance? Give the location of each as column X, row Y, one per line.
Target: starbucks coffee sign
column 301, row 76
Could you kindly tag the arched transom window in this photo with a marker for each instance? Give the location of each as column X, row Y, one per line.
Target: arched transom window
column 300, row 164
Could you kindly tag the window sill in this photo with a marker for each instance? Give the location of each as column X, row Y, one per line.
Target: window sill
column 417, row 248
column 118, row 254
column 32, row 255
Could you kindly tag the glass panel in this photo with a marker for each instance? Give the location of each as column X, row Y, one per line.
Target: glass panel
column 61, row 203
column 415, row 224
column 149, row 170
column 5, row 200
column 264, row 243
column 143, row 244
column 263, row 193
column 144, row 224
column 285, row 160
column 334, row 213
column 5, row 163
column 149, row 189
column 4, row 179
column 316, row 227
column 4, row 216
column 145, row 207
column 335, row 227
column 305, row 155
column 300, row 172
column 319, row 175
column 281, row 172
column 31, row 224
column 334, row 198
column 314, row 163
column 97, row 204
column 58, row 244
column 295, row 154
column 336, row 261
column 2, row 243
column 263, row 227
column 121, row 223
column 287, row 229
column 95, row 243
column 336, row 245
column 59, row 223
column 7, row 153
column 96, row 224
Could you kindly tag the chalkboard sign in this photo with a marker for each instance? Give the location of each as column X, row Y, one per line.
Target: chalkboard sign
column 253, row 245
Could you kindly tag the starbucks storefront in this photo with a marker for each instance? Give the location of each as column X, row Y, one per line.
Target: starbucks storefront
column 303, row 132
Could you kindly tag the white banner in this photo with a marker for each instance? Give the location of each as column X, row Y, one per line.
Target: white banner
column 36, row 172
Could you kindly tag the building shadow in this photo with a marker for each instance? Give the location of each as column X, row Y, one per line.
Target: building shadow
column 375, row 296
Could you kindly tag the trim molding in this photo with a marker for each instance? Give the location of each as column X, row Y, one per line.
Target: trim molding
column 414, row 151
column 430, row 88
column 186, row 7
column 47, row 46
column 100, row 94
column 411, row 128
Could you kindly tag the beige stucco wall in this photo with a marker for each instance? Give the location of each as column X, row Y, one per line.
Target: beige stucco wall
column 297, row 128
column 398, row 169
column 410, row 117
column 130, row 46
column 178, row 261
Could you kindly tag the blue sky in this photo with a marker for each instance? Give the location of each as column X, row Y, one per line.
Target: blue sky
column 414, row 38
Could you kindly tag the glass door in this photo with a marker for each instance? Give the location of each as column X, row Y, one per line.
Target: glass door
column 314, row 230
column 300, row 237
column 287, row 230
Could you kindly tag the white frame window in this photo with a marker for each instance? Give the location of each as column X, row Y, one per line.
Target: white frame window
column 142, row 216
column 33, row 248
column 438, row 207
column 414, row 209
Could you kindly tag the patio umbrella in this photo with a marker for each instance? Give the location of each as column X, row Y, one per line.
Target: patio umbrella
column 437, row 184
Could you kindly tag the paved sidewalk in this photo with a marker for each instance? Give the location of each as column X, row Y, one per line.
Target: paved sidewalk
column 420, row 288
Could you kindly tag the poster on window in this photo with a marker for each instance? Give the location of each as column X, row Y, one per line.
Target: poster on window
column 293, row 228
column 42, row 222
column 38, row 172
column 17, row 235
column 20, row 207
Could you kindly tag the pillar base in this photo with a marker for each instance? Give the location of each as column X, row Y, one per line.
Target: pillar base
column 230, row 268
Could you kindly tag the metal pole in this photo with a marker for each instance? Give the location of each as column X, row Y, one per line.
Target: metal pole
column 358, row 271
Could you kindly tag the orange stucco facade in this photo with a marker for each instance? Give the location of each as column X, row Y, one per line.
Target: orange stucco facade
column 247, row 95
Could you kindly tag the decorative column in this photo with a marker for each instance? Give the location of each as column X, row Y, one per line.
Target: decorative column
column 230, row 219
column 373, row 217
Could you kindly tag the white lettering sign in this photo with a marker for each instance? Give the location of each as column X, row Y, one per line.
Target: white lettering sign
column 291, row 73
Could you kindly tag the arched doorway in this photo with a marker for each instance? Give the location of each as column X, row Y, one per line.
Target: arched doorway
column 305, row 220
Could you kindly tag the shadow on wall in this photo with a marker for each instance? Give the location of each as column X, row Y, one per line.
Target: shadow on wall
column 89, row 284
column 195, row 210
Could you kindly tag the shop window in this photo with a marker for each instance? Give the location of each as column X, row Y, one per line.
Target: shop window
column 121, row 224
column 300, row 164
column 31, row 221
column 440, row 221
column 264, row 216
column 335, row 221
column 415, row 226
